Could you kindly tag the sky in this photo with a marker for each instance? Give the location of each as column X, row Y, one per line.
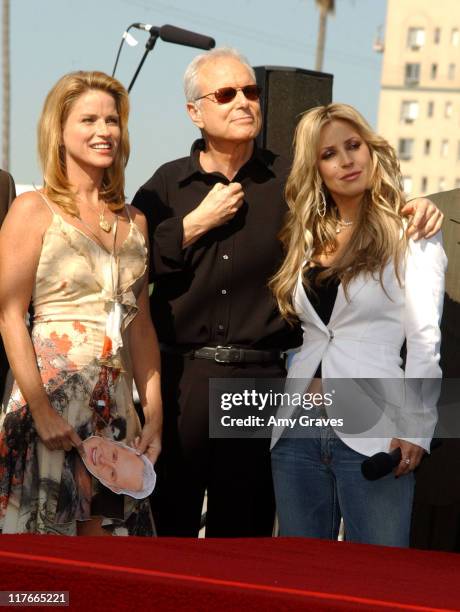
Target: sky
column 52, row 37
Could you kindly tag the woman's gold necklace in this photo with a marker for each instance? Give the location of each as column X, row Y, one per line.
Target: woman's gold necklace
column 103, row 223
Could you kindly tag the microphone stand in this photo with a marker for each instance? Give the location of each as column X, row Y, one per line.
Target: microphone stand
column 154, row 34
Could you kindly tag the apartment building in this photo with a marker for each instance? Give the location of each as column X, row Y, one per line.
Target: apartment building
column 419, row 106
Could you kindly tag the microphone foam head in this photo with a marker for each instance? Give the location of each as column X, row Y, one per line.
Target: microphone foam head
column 377, row 466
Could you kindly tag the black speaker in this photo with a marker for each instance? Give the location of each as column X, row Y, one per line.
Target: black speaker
column 287, row 93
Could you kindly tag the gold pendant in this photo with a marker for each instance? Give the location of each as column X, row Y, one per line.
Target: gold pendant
column 104, row 225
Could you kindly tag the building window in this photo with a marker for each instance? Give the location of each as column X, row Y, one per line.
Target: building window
column 437, row 36
column 424, row 184
column 430, row 109
column 409, row 111
column 442, row 184
column 412, row 74
column 448, row 108
column 433, row 71
column 405, row 148
column 407, row 184
column 415, row 38
column 444, row 148
column 455, row 37
column 427, row 147
column 451, row 72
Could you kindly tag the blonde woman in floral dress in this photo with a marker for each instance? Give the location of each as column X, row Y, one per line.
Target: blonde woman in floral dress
column 80, row 253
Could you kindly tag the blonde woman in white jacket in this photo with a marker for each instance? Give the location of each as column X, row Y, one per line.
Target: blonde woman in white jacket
column 360, row 288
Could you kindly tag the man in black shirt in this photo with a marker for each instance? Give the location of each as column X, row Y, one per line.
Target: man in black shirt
column 213, row 220
column 7, row 195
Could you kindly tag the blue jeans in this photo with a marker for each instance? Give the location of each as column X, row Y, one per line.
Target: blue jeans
column 318, row 479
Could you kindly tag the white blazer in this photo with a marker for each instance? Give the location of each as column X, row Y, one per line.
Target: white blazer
column 363, row 340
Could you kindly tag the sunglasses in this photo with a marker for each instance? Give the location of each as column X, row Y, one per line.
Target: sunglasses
column 224, row 95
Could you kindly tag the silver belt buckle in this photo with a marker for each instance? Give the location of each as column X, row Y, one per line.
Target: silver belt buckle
column 224, row 348
column 216, row 354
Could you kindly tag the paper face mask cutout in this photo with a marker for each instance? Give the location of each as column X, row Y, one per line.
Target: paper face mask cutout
column 118, row 467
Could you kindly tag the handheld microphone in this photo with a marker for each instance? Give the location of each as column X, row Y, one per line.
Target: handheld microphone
column 171, row 34
column 381, row 464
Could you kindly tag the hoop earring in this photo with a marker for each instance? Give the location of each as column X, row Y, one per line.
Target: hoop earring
column 321, row 206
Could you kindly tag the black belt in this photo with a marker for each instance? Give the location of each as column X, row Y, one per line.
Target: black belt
column 226, row 354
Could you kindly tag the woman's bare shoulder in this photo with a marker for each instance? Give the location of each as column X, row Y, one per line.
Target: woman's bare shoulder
column 32, row 205
column 28, row 214
column 138, row 218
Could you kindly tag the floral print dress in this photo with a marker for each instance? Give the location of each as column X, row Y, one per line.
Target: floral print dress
column 84, row 299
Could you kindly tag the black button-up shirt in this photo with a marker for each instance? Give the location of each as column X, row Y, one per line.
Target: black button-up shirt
column 215, row 291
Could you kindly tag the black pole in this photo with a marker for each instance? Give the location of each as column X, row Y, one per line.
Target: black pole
column 154, row 34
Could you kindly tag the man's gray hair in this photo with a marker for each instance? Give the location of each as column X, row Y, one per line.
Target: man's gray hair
column 191, row 87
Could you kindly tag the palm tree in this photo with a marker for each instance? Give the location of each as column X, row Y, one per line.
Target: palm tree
column 326, row 7
column 6, row 83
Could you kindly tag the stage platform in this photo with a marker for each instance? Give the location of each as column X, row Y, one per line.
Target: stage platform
column 116, row 573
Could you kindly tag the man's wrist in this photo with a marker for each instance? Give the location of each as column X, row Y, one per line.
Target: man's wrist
column 194, row 227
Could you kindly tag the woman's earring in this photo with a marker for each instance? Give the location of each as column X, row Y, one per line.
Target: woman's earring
column 321, row 206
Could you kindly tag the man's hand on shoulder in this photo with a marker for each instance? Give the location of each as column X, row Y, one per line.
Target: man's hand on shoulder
column 426, row 218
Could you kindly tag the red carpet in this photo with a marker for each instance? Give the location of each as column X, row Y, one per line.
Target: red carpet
column 202, row 575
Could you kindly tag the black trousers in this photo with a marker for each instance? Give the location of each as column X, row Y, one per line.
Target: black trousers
column 235, row 472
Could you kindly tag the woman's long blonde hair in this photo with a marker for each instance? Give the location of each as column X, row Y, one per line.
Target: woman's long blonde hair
column 56, row 109
column 376, row 238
